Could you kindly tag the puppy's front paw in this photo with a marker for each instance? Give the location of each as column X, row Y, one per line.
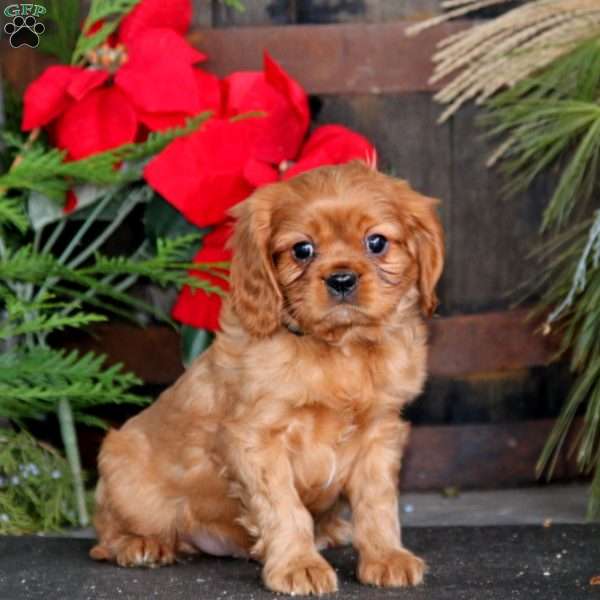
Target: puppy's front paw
column 302, row 576
column 398, row 568
column 139, row 551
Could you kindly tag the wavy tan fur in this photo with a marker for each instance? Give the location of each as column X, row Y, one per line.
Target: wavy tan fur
column 295, row 408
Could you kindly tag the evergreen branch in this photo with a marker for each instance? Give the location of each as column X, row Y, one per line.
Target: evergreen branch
column 38, row 170
column 100, row 10
column 12, row 213
column 46, row 171
column 166, row 267
column 46, row 323
column 60, row 39
column 498, row 53
column 27, row 265
column 158, row 140
column 553, row 120
column 573, row 295
column 88, row 298
column 33, row 381
column 106, row 291
column 41, row 315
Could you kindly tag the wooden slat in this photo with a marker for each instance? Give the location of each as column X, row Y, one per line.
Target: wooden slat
column 489, row 233
column 403, row 127
column 490, row 455
column 332, row 59
column 487, row 342
column 459, row 345
column 152, row 353
column 326, row 59
column 483, row 455
column 492, row 397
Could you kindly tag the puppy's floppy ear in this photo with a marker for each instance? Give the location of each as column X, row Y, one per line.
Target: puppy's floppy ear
column 425, row 241
column 255, row 295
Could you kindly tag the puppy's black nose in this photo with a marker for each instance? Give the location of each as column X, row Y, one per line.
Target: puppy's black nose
column 342, row 283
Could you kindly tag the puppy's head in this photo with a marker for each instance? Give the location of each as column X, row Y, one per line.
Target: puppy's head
column 334, row 248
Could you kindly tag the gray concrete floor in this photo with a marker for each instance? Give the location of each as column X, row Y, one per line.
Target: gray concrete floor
column 544, row 504
column 523, row 506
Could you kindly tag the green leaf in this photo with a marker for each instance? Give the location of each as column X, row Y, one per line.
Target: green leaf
column 110, row 11
column 46, row 171
column 25, row 265
column 193, row 342
column 41, row 315
column 62, row 28
column 34, row 380
column 161, row 220
column 12, row 213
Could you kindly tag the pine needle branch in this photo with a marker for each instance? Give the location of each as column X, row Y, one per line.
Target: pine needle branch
column 48, row 172
column 33, row 381
column 107, row 12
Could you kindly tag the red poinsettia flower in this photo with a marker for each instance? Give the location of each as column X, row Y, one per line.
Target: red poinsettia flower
column 196, row 307
column 203, row 174
column 328, row 145
column 280, row 98
column 206, row 173
column 150, row 79
column 332, row 145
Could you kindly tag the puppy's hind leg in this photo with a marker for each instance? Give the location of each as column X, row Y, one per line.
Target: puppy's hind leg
column 134, row 520
column 332, row 529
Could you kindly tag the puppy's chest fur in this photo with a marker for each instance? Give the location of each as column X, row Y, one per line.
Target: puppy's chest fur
column 321, row 445
column 322, row 407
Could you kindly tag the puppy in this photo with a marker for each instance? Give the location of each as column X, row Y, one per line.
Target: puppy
column 294, row 409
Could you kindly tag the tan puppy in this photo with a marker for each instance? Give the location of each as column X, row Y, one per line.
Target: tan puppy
column 295, row 407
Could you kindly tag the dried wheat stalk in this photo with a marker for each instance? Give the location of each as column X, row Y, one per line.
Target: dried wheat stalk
column 500, row 52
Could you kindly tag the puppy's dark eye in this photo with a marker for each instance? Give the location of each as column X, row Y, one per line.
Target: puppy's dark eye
column 303, row 250
column 376, row 243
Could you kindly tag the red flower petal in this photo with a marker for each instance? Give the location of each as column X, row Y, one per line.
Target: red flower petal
column 202, row 175
column 85, row 81
column 290, row 88
column 104, row 119
column 216, row 240
column 197, row 307
column 172, row 14
column 209, row 90
column 47, row 97
column 161, row 121
column 258, row 173
column 95, row 27
column 281, row 98
column 332, row 145
column 161, row 42
column 158, row 76
column 70, row 202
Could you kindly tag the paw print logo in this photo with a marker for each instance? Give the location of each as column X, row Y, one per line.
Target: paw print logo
column 24, row 31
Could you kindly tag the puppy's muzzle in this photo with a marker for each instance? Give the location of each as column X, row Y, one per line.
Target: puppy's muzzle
column 341, row 284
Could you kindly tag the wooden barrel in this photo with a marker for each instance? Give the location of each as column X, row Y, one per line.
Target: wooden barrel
column 492, row 393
